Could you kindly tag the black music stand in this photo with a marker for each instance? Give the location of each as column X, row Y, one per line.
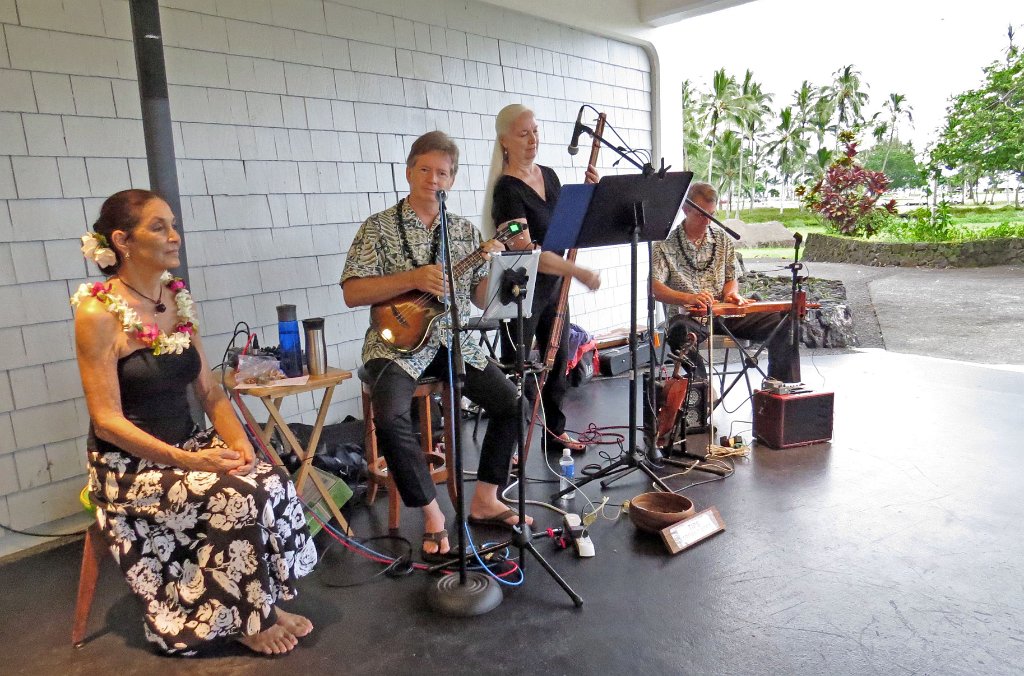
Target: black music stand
column 621, row 209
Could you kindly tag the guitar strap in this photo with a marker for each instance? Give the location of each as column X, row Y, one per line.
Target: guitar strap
column 435, row 244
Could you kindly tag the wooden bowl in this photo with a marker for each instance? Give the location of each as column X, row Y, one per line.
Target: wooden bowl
column 652, row 512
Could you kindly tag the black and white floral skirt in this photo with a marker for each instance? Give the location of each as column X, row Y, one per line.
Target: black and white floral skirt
column 207, row 554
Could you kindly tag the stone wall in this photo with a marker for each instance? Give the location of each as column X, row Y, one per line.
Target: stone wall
column 976, row 254
column 831, row 325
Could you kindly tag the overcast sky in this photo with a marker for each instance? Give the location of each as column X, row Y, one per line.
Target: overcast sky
column 928, row 50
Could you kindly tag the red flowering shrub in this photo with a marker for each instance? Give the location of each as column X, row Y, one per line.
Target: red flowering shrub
column 846, row 196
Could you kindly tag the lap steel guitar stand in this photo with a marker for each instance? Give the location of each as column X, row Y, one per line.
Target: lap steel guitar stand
column 272, row 396
column 795, row 309
column 794, row 313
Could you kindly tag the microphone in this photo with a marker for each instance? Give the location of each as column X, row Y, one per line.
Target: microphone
column 441, row 196
column 798, row 237
column 574, row 144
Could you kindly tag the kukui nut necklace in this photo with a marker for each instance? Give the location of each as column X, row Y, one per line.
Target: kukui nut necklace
column 160, row 307
column 693, row 262
column 405, row 240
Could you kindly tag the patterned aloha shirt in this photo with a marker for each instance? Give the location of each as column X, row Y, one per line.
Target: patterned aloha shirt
column 377, row 250
column 681, row 266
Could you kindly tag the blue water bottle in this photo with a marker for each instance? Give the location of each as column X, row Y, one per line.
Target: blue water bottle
column 566, row 474
column 288, row 335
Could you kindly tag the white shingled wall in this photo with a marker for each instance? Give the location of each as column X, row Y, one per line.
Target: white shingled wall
column 292, row 119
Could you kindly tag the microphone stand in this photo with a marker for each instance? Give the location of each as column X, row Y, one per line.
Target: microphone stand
column 470, row 592
column 797, row 309
column 634, row 458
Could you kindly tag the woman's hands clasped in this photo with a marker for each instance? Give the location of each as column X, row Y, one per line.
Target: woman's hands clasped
column 238, row 460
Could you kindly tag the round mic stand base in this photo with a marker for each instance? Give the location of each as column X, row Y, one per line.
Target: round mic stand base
column 478, row 595
column 467, row 593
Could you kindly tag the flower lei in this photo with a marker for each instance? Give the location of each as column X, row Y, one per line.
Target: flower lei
column 149, row 335
column 96, row 247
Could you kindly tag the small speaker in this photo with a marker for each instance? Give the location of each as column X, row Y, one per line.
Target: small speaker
column 788, row 420
column 696, row 407
column 692, row 411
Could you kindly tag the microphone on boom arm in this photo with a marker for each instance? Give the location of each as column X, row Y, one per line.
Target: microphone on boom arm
column 574, row 143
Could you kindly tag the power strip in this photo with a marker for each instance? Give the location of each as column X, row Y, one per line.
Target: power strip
column 580, row 538
column 778, row 387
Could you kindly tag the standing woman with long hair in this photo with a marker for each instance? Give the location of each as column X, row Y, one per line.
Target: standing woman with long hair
column 209, row 538
column 520, row 189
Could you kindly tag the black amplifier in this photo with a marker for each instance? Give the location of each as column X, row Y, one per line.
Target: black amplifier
column 615, row 360
column 798, row 419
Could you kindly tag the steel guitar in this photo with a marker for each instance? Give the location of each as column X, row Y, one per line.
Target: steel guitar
column 406, row 321
column 753, row 307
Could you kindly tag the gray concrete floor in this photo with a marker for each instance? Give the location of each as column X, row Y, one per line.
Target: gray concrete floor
column 970, row 314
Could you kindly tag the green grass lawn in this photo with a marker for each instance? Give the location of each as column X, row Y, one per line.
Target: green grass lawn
column 804, row 222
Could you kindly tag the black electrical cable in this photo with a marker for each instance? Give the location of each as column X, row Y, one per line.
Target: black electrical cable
column 43, row 535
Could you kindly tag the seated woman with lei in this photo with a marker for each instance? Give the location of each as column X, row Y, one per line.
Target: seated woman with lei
column 209, row 538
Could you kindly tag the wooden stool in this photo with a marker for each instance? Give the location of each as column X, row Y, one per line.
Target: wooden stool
column 94, row 552
column 439, row 463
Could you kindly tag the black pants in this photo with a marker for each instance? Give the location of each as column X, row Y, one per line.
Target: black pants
column 782, row 362
column 396, row 434
column 557, row 384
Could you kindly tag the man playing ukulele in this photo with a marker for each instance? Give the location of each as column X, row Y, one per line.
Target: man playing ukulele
column 397, row 251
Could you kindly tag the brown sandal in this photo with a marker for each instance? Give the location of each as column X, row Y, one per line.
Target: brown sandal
column 500, row 520
column 438, row 556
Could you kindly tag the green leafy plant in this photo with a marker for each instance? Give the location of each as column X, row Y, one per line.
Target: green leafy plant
column 921, row 225
column 847, row 195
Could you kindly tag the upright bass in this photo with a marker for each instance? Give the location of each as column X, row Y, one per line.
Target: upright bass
column 558, row 325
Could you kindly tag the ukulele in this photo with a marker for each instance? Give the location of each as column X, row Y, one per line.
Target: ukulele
column 406, row 321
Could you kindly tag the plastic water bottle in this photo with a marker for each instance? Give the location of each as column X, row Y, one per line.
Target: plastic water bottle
column 288, row 334
column 567, row 473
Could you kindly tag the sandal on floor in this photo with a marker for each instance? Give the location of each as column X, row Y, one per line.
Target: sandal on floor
column 500, row 520
column 438, row 556
column 565, row 441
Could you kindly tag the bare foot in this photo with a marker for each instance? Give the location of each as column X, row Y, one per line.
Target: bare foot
column 565, row 441
column 297, row 625
column 273, row 641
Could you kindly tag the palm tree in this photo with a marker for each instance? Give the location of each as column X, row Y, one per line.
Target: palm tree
column 849, row 96
column 896, row 108
column 751, row 117
column 717, row 106
column 691, row 125
column 730, row 162
column 804, row 100
column 790, row 148
column 821, row 117
column 818, row 163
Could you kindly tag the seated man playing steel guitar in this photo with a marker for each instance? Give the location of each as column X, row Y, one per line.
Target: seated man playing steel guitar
column 396, row 252
column 695, row 267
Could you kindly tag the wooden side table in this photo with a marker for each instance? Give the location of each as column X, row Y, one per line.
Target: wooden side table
column 272, row 396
